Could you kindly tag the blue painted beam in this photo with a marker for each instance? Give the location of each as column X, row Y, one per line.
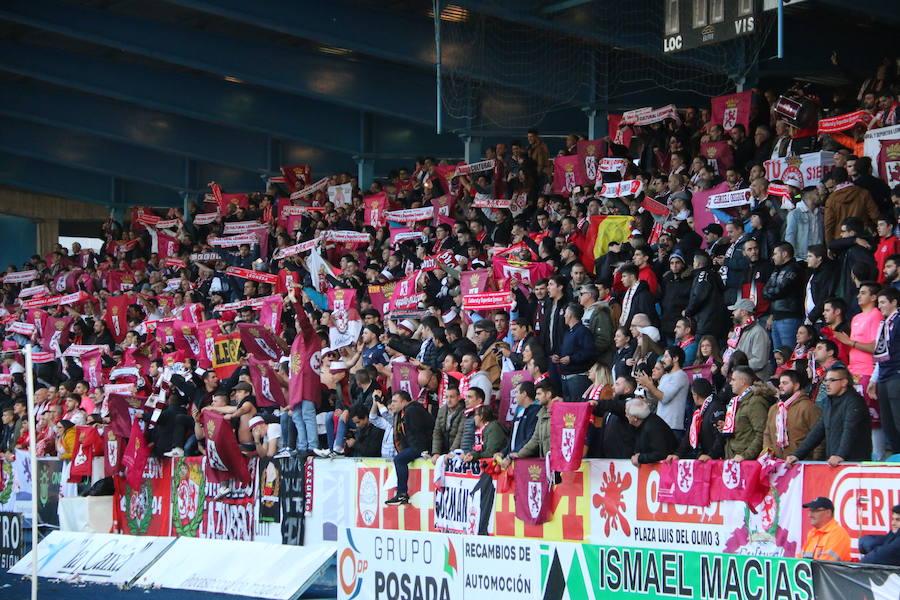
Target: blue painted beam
column 54, row 179
column 81, row 150
column 356, row 84
column 119, row 121
column 407, row 39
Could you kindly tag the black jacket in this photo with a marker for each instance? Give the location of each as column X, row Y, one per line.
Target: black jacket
column 558, row 317
column 676, row 291
column 845, row 426
column 705, row 303
column 615, row 438
column 822, row 281
column 654, row 440
column 414, row 428
column 641, row 302
column 368, row 442
column 711, row 441
column 848, row 254
column 784, row 291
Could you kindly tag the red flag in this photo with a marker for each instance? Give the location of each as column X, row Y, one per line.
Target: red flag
column 375, row 207
column 568, row 428
column 380, row 295
column 526, row 272
column 743, row 480
column 589, row 154
column 87, row 445
column 565, row 174
column 186, row 338
column 193, row 312
column 443, row 207
column 116, row 317
column 206, row 333
column 305, row 383
column 685, row 482
column 509, row 383
column 56, row 332
column 136, row 454
column 474, row 282
column 405, row 376
column 92, row 365
column 66, row 282
column 270, row 313
column 143, row 354
column 719, row 156
column 341, row 298
column 405, row 296
column 166, row 245
column 38, row 318
column 296, row 177
column 223, row 456
column 266, row 385
column 259, row 341
column 112, row 453
column 532, row 494
column 889, row 162
column 732, row 109
column 121, row 413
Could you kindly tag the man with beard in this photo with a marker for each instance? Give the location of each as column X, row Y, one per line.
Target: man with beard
column 791, row 418
column 672, row 391
column 783, row 290
column 520, row 330
column 733, row 263
column 755, row 277
column 820, row 284
column 749, row 337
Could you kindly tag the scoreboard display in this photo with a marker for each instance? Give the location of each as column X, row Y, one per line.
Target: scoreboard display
column 693, row 23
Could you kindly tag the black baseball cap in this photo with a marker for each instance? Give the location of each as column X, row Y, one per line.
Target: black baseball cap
column 713, row 228
column 820, row 502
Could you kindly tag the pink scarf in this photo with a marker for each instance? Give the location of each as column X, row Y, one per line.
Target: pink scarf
column 696, row 420
column 781, row 424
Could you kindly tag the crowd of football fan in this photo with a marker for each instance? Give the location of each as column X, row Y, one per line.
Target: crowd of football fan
column 787, row 310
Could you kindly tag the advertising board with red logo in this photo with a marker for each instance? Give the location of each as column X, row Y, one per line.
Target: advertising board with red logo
column 146, row 510
column 862, row 496
column 625, row 511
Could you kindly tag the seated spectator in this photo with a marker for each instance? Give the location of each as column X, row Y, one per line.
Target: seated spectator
column 703, row 441
column 266, row 433
column 490, row 437
column 654, row 440
column 790, row 419
column 827, row 540
column 412, row 430
column 368, row 438
column 844, row 426
column 613, row 437
column 883, row 549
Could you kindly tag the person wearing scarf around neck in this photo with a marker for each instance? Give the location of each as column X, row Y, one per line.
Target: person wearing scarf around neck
column 790, row 419
column 490, row 437
column 749, row 337
column 703, row 441
column 885, row 381
column 745, row 416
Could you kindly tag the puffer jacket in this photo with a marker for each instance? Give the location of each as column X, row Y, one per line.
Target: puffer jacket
column 676, row 291
column 705, row 303
column 539, row 444
column 749, row 424
column 784, row 291
column 844, row 426
column 850, row 201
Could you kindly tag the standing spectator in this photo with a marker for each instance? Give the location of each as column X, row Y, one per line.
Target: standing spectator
column 672, row 391
column 705, row 298
column 598, row 319
column 745, row 416
column 847, row 200
column 749, row 337
column 733, row 263
column 525, row 420
column 805, row 224
column 888, row 244
column 827, row 540
column 844, row 425
column 892, row 271
column 637, row 298
column 885, row 384
column 675, row 293
column 860, row 171
column 539, row 153
column 576, row 355
column 539, row 444
column 654, row 440
column 412, row 430
column 821, row 282
column 704, row 441
column 791, row 418
column 784, row 292
column 686, row 340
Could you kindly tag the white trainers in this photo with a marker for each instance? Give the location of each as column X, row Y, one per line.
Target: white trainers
column 174, row 453
column 284, row 453
column 322, row 452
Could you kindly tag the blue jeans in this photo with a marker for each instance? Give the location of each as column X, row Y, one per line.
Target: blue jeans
column 401, row 467
column 784, row 333
column 574, row 387
column 304, row 417
column 288, row 432
column 335, row 438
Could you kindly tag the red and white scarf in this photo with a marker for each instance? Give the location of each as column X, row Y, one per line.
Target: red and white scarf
column 626, row 303
column 731, row 411
column 781, row 424
column 468, row 412
column 686, row 342
column 735, row 336
column 800, row 352
column 595, row 392
column 442, row 389
column 464, row 384
column 541, row 378
column 696, row 420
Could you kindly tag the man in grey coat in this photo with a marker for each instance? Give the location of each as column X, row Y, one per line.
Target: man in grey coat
column 752, row 338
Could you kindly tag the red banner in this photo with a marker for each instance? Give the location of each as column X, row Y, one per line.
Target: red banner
column 266, row 385
column 590, row 153
column 341, row 298
column 405, row 296
column 488, row 301
column 474, row 282
column 296, row 177
column 509, row 384
column 146, row 508
column 685, row 482
column 568, row 428
column 269, row 278
column 731, row 110
column 223, row 456
column 63, row 300
column 526, row 272
column 270, row 313
column 87, row 445
column 259, row 341
column 405, row 376
column 719, row 156
column 844, row 122
column 565, row 174
column 116, row 317
column 746, row 481
column 136, row 454
column 375, row 208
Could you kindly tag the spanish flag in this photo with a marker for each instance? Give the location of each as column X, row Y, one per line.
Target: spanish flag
column 603, row 230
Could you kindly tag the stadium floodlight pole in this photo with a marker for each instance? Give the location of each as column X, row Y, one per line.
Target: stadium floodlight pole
column 32, row 451
column 436, row 7
column 780, row 28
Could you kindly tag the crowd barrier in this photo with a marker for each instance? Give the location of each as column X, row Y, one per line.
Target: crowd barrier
column 612, row 502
